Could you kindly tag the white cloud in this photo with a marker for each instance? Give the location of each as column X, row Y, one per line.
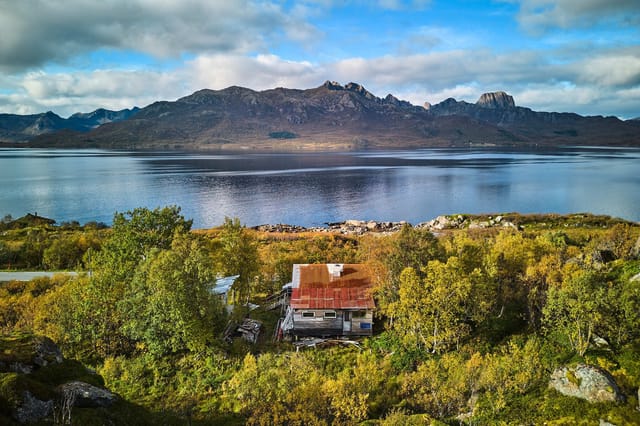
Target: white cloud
column 59, row 31
column 541, row 15
column 610, row 70
column 603, row 83
column 259, row 73
column 66, row 93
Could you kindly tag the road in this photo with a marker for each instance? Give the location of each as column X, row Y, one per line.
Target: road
column 29, row 275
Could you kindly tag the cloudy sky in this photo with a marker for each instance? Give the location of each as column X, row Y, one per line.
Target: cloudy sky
column 551, row 55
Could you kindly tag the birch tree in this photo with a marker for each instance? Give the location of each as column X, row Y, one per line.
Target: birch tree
column 436, row 312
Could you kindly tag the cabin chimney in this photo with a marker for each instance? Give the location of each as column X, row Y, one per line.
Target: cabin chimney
column 335, row 270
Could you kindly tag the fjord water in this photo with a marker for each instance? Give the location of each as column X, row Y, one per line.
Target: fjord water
column 311, row 189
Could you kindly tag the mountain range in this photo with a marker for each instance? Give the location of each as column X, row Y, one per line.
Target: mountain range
column 328, row 117
column 22, row 128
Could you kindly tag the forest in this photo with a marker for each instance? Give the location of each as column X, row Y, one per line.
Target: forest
column 471, row 324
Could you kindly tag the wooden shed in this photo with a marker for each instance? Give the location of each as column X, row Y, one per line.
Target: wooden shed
column 329, row 300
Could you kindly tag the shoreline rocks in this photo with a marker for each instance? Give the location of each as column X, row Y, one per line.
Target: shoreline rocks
column 361, row 227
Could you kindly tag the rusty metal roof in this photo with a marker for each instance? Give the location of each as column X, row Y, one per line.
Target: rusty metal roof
column 315, row 288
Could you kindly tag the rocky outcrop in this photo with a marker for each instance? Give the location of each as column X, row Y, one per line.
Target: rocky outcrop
column 459, row 222
column 359, row 89
column 85, row 395
column 586, row 382
column 332, row 85
column 24, row 361
column 360, row 227
column 348, row 227
column 496, row 100
column 30, row 353
column 280, row 228
column 442, row 222
column 46, row 352
column 31, row 409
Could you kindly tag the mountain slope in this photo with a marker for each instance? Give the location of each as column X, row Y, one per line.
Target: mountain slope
column 333, row 117
column 542, row 127
column 21, row 128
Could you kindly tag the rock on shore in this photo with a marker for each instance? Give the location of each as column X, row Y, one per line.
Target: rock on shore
column 361, row 227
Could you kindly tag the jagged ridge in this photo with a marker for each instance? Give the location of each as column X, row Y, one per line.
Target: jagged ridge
column 20, row 128
column 333, row 116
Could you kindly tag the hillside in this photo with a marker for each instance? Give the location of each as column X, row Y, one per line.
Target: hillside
column 511, row 319
column 21, row 128
column 336, row 117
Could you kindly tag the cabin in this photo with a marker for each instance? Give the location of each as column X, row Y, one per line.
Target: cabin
column 329, row 300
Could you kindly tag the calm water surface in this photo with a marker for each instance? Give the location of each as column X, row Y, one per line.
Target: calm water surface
column 311, row 189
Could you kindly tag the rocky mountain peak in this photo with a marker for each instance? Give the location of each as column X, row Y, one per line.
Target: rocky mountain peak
column 496, row 100
column 359, row 89
column 332, row 85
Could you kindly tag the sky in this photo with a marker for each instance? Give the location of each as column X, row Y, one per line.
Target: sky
column 70, row 56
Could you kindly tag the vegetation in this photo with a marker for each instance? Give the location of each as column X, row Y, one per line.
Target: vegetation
column 282, row 135
column 469, row 325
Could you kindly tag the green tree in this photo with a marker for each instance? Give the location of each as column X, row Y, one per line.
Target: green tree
column 436, row 312
column 94, row 321
column 409, row 248
column 169, row 306
column 32, row 250
column 238, row 255
column 133, row 234
column 620, row 239
column 63, row 253
column 511, row 370
column 575, row 308
column 275, row 390
column 441, row 386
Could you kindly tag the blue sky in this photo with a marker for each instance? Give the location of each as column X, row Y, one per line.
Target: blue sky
column 551, row 55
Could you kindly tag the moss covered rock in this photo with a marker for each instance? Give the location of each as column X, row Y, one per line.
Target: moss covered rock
column 586, row 382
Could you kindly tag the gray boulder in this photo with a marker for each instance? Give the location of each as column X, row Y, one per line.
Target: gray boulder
column 31, row 409
column 46, row 352
column 85, row 395
column 586, row 382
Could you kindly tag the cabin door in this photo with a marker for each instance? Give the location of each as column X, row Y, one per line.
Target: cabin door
column 346, row 322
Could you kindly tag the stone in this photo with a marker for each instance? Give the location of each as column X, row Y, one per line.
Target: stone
column 332, row 85
column 600, row 342
column 359, row 89
column 21, row 368
column 46, row 352
column 353, row 222
column 85, row 395
column 496, row 100
column 31, row 409
column 586, row 382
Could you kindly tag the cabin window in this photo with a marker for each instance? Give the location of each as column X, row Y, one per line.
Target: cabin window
column 308, row 314
column 359, row 314
column 330, row 314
